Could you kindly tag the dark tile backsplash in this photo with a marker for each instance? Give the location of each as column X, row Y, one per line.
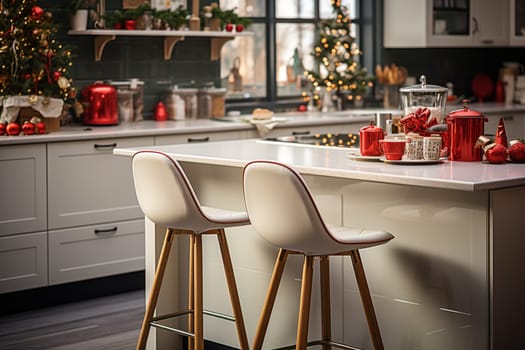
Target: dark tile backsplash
column 136, row 57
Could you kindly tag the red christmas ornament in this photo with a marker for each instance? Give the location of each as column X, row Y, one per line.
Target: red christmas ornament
column 302, row 108
column 28, row 128
column 40, row 128
column 161, row 114
column 3, row 128
column 56, row 75
column 496, row 153
column 517, row 151
column 501, row 134
column 239, row 28
column 13, row 129
column 37, row 12
column 228, row 27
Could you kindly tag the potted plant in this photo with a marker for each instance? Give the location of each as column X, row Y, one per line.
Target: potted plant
column 130, row 18
column 113, row 19
column 79, row 12
column 172, row 19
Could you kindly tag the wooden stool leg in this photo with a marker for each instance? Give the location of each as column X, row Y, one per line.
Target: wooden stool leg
column 232, row 287
column 304, row 304
column 198, row 300
column 155, row 289
column 264, row 319
column 191, row 292
column 366, row 299
column 326, row 322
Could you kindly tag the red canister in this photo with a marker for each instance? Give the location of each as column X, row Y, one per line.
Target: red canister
column 369, row 137
column 465, row 126
column 100, row 103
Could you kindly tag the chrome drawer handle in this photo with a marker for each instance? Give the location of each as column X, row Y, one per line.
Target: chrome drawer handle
column 204, row 139
column 105, row 231
column 108, row 145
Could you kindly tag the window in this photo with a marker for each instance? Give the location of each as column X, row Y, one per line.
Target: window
column 270, row 63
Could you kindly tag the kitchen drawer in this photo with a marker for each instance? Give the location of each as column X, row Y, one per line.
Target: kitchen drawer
column 514, row 125
column 89, row 185
column 23, row 261
column 205, row 137
column 316, row 129
column 95, row 251
column 22, row 189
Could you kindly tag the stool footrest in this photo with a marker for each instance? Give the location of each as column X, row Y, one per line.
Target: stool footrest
column 171, row 329
column 321, row 342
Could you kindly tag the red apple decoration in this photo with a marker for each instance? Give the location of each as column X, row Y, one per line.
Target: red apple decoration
column 496, row 153
column 28, row 128
column 13, row 129
column 3, row 128
column 517, row 151
column 239, row 28
column 228, row 27
column 40, row 128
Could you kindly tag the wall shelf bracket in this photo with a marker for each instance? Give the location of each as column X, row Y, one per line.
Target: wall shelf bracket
column 216, row 46
column 100, row 43
column 169, row 44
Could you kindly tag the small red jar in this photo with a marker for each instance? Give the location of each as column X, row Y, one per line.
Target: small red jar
column 369, row 137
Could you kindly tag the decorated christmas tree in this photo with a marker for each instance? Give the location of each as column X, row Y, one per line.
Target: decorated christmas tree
column 34, row 67
column 337, row 55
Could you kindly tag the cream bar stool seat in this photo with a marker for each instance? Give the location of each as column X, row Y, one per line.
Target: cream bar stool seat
column 166, row 197
column 282, row 210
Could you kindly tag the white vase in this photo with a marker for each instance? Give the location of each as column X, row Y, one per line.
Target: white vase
column 79, row 20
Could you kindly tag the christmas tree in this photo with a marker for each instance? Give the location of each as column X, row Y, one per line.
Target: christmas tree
column 337, row 55
column 32, row 62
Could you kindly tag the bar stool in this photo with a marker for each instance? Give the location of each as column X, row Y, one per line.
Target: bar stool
column 166, row 197
column 282, row 210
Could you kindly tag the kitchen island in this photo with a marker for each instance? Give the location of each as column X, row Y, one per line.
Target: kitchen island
column 451, row 279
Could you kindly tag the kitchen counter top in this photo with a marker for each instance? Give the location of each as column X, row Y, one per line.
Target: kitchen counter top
column 171, row 127
column 334, row 162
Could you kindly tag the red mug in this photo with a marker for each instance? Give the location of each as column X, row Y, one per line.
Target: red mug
column 393, row 149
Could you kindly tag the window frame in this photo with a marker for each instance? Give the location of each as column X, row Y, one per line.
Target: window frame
column 366, row 21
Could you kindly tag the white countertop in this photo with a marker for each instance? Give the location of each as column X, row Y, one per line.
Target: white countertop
column 334, row 162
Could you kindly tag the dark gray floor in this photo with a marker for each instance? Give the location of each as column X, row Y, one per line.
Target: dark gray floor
column 106, row 323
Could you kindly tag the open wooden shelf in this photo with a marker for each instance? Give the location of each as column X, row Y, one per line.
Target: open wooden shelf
column 171, row 37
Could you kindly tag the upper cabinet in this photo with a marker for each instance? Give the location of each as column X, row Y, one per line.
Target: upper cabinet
column 517, row 22
column 446, row 23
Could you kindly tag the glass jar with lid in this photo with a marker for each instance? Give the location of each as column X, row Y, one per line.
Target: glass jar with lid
column 433, row 97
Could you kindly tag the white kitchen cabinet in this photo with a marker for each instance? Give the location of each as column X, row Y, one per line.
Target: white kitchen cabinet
column 96, row 251
column 23, row 189
column 446, row 23
column 517, row 22
column 23, row 261
column 343, row 127
column 204, row 137
column 514, row 125
column 88, row 185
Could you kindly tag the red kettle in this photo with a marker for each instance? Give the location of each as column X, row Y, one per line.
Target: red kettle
column 465, row 126
column 369, row 137
column 100, row 104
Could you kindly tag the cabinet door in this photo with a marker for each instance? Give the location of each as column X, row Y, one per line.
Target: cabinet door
column 450, row 23
column 204, row 137
column 22, row 189
column 491, row 22
column 514, row 125
column 517, row 22
column 95, row 251
column 23, row 261
column 87, row 184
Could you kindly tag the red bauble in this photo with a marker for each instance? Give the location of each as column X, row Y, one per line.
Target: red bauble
column 40, row 128
column 13, row 129
column 302, row 108
column 56, row 75
column 228, row 27
column 28, row 128
column 239, row 28
column 37, row 12
column 2, row 128
column 496, row 153
column 517, row 151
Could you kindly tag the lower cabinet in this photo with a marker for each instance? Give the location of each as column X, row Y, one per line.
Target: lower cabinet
column 23, row 261
column 95, row 251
